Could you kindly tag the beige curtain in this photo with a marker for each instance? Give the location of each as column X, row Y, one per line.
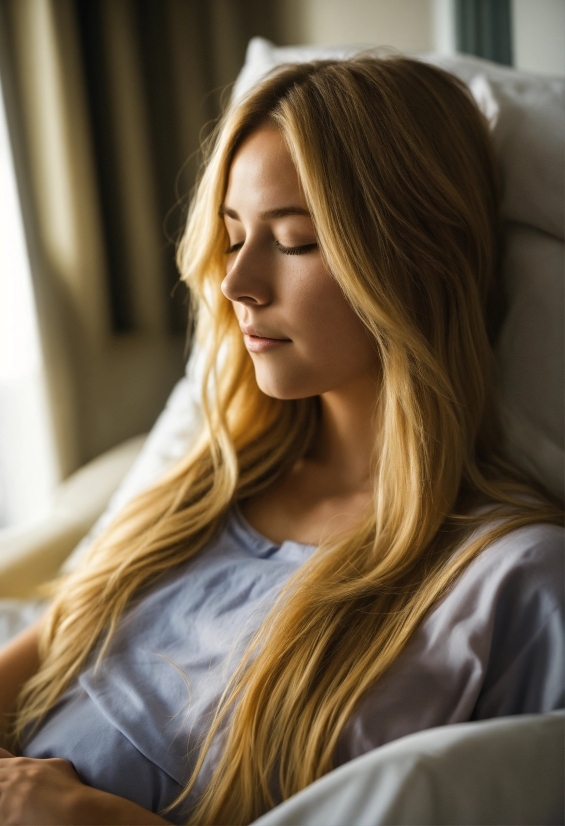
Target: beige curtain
column 106, row 100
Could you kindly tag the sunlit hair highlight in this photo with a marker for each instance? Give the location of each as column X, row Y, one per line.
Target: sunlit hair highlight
column 396, row 166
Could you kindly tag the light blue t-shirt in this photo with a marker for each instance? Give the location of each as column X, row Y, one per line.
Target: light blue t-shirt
column 493, row 646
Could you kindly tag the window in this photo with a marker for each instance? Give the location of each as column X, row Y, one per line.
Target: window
column 27, row 461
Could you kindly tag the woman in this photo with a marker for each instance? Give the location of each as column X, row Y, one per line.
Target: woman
column 344, row 557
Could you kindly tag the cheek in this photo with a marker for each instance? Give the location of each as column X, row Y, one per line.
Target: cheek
column 330, row 345
column 329, row 323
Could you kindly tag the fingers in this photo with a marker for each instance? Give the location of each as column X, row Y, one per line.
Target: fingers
column 5, row 753
column 65, row 766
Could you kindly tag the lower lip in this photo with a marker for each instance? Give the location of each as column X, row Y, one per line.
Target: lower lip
column 255, row 344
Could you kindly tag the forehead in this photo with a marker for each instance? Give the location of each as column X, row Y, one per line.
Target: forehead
column 262, row 172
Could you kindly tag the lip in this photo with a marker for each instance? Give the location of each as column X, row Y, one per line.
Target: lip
column 257, row 341
column 261, row 344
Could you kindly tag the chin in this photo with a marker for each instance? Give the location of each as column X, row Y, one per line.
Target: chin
column 285, row 394
column 284, row 389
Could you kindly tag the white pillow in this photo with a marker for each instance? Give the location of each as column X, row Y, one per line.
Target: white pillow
column 530, row 353
column 505, row 771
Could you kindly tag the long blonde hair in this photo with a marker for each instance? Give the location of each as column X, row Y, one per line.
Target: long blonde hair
column 396, row 165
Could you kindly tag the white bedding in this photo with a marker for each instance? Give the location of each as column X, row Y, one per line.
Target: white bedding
column 503, row 771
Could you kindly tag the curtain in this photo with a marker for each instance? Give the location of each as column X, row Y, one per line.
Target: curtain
column 107, row 102
column 483, row 28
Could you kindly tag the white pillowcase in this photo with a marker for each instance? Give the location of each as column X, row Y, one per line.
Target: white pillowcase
column 531, row 355
column 506, row 771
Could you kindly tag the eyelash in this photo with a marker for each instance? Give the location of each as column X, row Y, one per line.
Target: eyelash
column 295, row 250
column 302, row 250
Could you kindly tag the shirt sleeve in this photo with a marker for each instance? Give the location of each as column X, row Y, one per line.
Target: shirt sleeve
column 525, row 666
column 533, row 682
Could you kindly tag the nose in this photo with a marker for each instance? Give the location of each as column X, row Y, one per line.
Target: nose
column 246, row 280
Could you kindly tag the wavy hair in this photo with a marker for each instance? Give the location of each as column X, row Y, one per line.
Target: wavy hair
column 396, row 165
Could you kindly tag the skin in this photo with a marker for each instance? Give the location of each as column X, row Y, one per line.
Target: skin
column 281, row 289
column 19, row 660
column 305, row 340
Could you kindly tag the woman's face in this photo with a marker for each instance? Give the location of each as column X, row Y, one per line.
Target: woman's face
column 303, row 337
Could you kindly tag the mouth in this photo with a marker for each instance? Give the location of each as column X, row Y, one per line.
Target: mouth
column 257, row 341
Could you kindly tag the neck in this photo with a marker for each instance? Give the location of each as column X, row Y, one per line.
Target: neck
column 345, row 442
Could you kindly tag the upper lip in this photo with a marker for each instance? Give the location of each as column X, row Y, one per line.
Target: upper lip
column 250, row 330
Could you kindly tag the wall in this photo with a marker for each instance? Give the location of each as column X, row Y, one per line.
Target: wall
column 406, row 25
column 425, row 25
column 539, row 35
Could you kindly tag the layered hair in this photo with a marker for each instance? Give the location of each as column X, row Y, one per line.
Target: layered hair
column 396, row 166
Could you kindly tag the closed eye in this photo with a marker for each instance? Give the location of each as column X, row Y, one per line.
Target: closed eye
column 302, row 250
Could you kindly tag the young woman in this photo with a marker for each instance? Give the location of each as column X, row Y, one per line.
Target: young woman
column 345, row 556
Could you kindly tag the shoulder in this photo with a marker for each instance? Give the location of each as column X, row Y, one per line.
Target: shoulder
column 514, row 597
column 518, row 585
column 536, row 541
column 509, row 599
column 523, row 567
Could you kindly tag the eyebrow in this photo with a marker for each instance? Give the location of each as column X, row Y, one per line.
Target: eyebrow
column 269, row 215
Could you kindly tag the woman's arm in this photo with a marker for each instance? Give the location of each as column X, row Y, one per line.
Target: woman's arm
column 19, row 660
column 50, row 792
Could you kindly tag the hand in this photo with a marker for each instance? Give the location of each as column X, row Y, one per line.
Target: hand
column 37, row 791
column 50, row 793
